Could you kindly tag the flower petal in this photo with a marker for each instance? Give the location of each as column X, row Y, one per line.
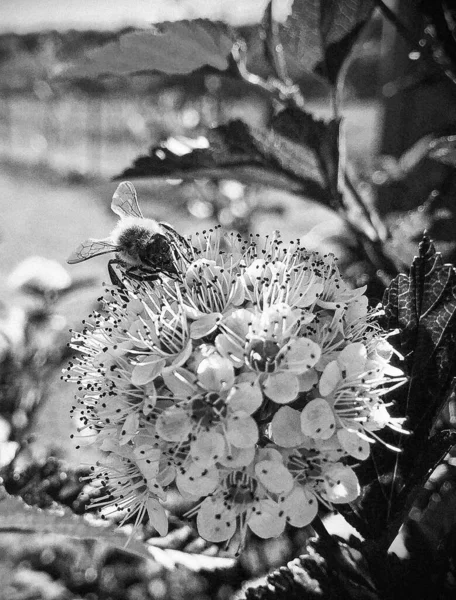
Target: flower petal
column 317, row 419
column 130, row 428
column 148, row 460
column 241, row 430
column 275, row 477
column 150, row 400
column 214, row 521
column 245, row 396
column 174, row 424
column 208, row 448
column 281, row 388
column 341, row 484
column 307, row 380
column 147, row 369
column 238, row 457
column 216, row 373
column 301, row 354
column 197, row 481
column 353, row 444
column 181, row 382
column 356, row 310
column 329, row 378
column 268, row 520
column 301, row 507
column 204, row 325
column 157, row 516
column 286, row 428
column 352, row 359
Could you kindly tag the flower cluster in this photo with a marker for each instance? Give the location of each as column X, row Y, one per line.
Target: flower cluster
column 252, row 383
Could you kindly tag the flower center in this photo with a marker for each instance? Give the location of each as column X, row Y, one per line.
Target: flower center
column 240, row 488
column 209, row 409
column 262, row 355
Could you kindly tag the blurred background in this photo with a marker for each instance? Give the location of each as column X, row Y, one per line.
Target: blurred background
column 63, row 140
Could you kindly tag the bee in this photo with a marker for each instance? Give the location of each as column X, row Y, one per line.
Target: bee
column 144, row 246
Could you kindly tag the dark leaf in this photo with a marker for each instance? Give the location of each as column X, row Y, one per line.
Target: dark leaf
column 332, row 569
column 174, row 48
column 296, row 153
column 422, row 306
column 319, row 34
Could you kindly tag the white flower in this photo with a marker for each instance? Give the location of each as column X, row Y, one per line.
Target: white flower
column 133, row 488
column 319, row 471
column 250, row 382
column 262, row 497
column 212, row 408
column 267, row 342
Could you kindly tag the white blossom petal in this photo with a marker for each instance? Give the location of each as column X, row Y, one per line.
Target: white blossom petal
column 204, row 325
column 214, row 521
column 352, row 359
column 356, row 310
column 330, row 377
column 286, row 428
column 281, row 388
column 241, row 430
column 130, row 428
column 301, row 506
column 275, row 477
column 181, row 382
column 174, row 424
column 245, row 396
column 157, row 516
column 208, row 448
column 267, row 521
column 353, row 444
column 301, row 355
column 341, row 484
column 216, row 373
column 237, row 457
column 147, row 369
column 307, row 380
column 148, row 460
column 197, row 481
column 317, row 419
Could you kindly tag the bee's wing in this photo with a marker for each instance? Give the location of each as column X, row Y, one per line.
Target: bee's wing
column 125, row 201
column 181, row 245
column 91, row 248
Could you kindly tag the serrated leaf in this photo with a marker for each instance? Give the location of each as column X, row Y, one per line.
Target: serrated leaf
column 319, row 35
column 422, row 306
column 296, row 153
column 173, row 48
column 330, row 569
column 16, row 515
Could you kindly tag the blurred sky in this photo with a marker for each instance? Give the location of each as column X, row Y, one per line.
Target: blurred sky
column 32, row 15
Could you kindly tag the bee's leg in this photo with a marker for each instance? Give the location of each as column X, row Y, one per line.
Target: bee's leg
column 142, row 275
column 115, row 279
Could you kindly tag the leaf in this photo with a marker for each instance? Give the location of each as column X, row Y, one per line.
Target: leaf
column 16, row 515
column 296, row 153
column 422, row 306
column 319, row 35
column 330, row 569
column 173, row 48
